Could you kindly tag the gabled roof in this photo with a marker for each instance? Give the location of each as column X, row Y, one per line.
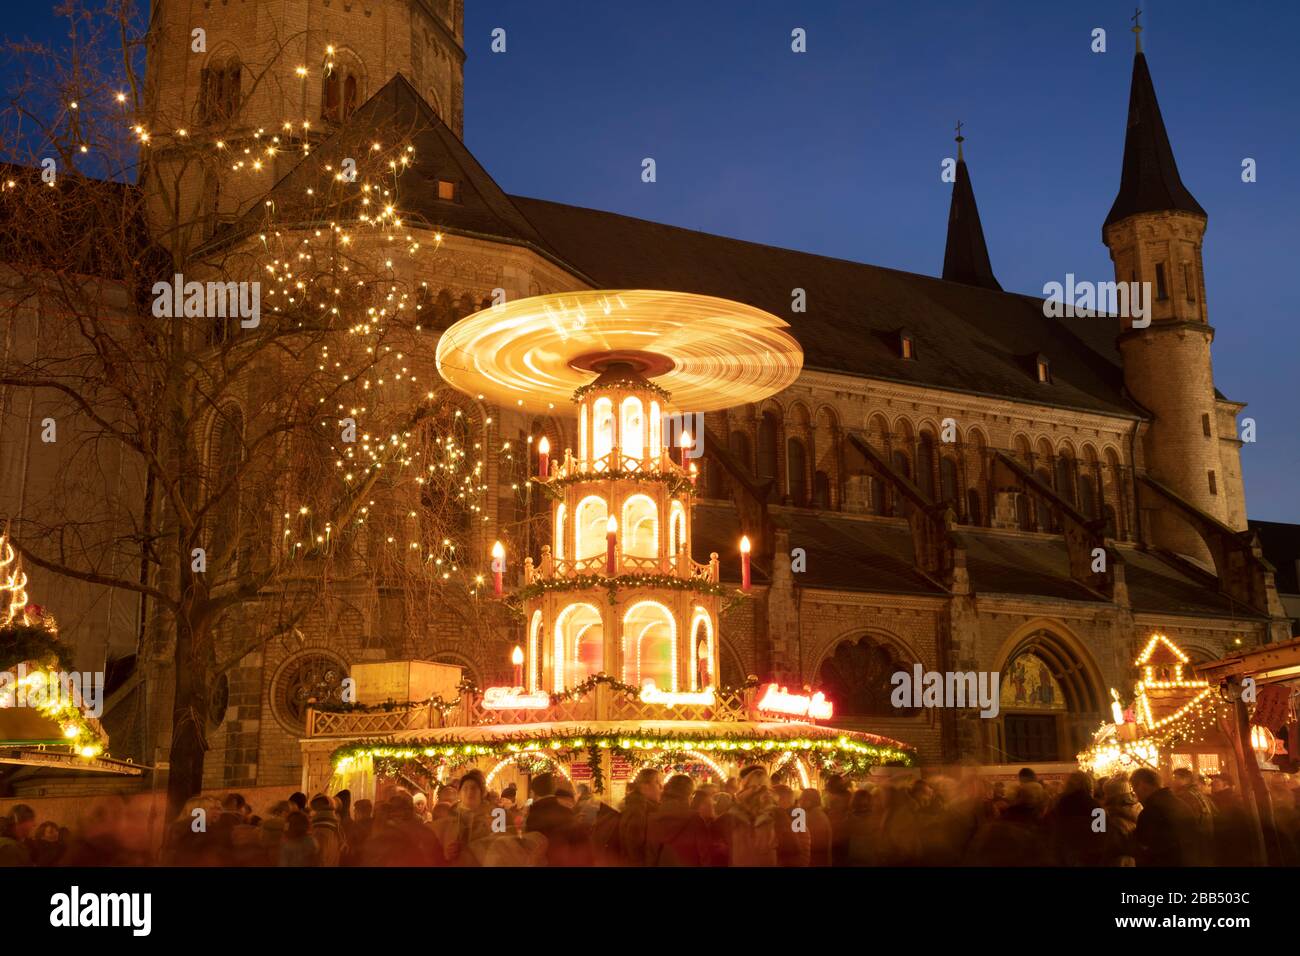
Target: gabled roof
column 968, row 339
column 481, row 207
column 1149, row 181
column 966, row 256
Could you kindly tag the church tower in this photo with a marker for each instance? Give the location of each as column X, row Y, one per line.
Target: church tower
column 235, row 71
column 1154, row 232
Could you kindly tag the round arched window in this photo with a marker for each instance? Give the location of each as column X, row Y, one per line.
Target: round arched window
column 309, row 676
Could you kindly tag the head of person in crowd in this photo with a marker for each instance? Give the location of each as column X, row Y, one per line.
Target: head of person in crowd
column 1183, row 778
column 678, row 789
column 363, row 809
column 649, row 783
column 564, row 794
column 584, row 793
column 921, row 792
column 542, row 786
column 753, row 777
column 473, row 787
column 297, row 825
column 1031, row 798
column 321, row 804
column 1116, row 792
column 703, row 804
column 510, row 795
column 1144, row 782
column 731, row 785
column 1027, row 775
column 401, row 806
column 233, row 803
column 1077, row 782
column 861, row 803
column 299, row 800
column 343, row 803
column 835, row 784
column 281, row 809
column 1219, row 784
column 22, row 821
column 47, row 832
column 785, row 797
column 810, row 799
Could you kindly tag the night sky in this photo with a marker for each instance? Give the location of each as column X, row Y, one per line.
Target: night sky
column 837, row 151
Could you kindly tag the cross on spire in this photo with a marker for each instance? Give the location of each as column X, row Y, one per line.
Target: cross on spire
column 960, row 139
column 1137, row 27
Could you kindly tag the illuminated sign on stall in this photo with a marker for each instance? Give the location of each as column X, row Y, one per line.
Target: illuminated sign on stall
column 514, row 698
column 650, row 694
column 777, row 700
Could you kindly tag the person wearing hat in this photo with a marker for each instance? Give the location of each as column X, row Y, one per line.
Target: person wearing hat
column 752, row 820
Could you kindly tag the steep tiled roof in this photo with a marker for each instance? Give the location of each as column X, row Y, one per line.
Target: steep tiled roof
column 1149, row 181
column 967, row 339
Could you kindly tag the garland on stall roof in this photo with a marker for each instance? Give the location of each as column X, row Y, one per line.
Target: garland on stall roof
column 855, row 754
column 440, row 704
column 579, row 691
column 586, row 582
column 596, row 766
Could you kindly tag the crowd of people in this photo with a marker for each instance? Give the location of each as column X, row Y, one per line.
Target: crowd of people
column 747, row 821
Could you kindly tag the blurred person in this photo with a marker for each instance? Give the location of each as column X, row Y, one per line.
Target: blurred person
column 102, row 838
column 461, row 832
column 861, row 830
column 838, row 805
column 1186, row 786
column 16, row 830
column 1121, row 806
column 819, row 827
column 675, row 833
column 642, row 800
column 587, row 805
column 299, row 801
column 1016, row 838
column 751, row 820
column 326, row 831
column 298, row 848
column 1073, row 840
column 47, row 846
column 1165, row 826
column 714, row 852
column 793, row 842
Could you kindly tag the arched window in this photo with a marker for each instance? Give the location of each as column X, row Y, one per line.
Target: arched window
column 640, row 527
column 656, row 430
column 738, row 443
column 1042, row 511
column 559, row 532
column 341, row 87
column 796, row 480
column 857, row 678
column 589, row 527
column 632, row 432
column 904, row 467
column 579, row 645
column 948, row 483
column 534, row 649
column 650, row 646
column 602, row 420
column 1087, row 497
column 822, row 491
column 974, row 512
column 677, row 529
column 220, row 89
column 876, row 489
column 702, row 644
column 1065, row 478
column 925, row 465
column 768, row 429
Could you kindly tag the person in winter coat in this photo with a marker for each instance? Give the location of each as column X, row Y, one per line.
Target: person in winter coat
column 461, row 832
column 819, row 827
column 752, row 820
column 1165, row 827
column 675, row 834
column 1017, row 837
column 325, row 830
column 1187, row 788
column 298, row 848
column 793, row 842
column 1075, row 840
column 642, row 800
column 861, row 830
column 1121, row 808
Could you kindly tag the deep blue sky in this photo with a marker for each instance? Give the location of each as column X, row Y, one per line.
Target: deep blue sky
column 837, row 151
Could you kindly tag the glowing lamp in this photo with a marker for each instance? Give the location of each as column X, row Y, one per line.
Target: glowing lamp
column 1116, row 708
column 498, row 567
column 517, row 659
column 543, row 458
column 1262, row 741
column 611, row 537
column 694, row 473
column 745, row 581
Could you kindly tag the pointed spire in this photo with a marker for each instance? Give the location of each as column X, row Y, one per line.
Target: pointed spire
column 1149, row 181
column 966, row 258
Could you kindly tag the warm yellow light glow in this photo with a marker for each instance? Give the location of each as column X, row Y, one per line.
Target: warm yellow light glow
column 544, row 446
column 498, row 550
column 517, row 656
column 721, row 353
column 611, row 526
column 744, row 544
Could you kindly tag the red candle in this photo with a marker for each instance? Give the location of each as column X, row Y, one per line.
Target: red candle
column 744, row 563
column 498, row 567
column 611, row 534
column 543, row 458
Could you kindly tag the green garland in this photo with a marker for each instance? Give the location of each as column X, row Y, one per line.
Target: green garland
column 612, row 585
column 27, row 642
column 627, row 384
column 678, row 485
column 854, row 755
column 440, row 704
column 579, row 691
column 596, row 766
